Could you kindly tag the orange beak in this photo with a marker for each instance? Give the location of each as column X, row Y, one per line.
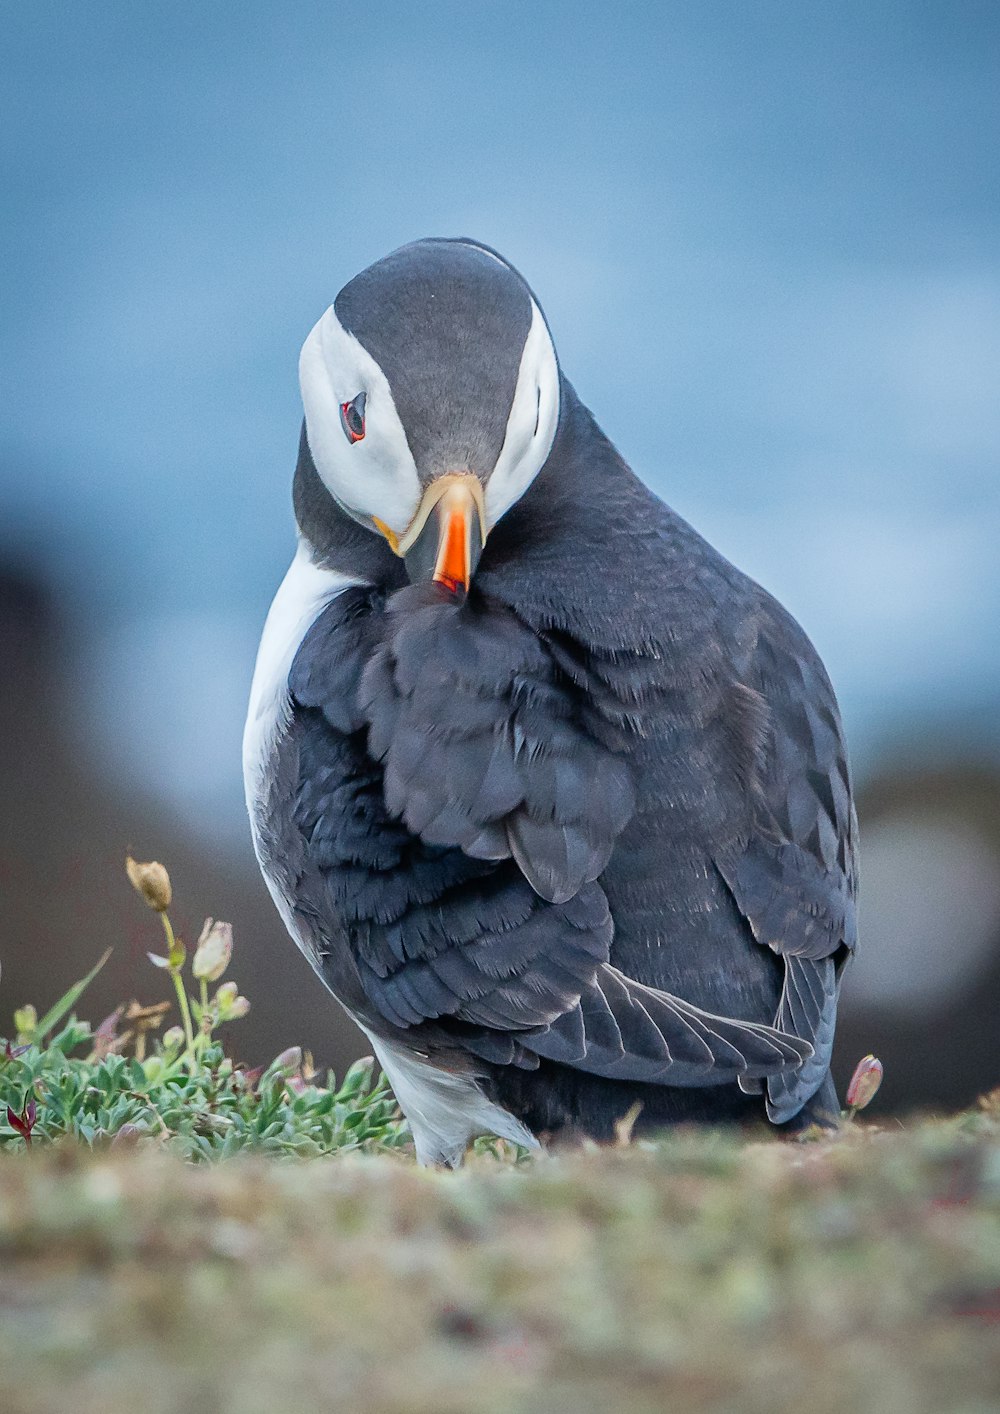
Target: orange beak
column 445, row 538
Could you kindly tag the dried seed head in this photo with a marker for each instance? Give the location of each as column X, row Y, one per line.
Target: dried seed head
column 151, row 882
column 147, row 1017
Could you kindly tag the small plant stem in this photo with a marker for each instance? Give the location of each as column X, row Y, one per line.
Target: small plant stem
column 182, row 1000
column 204, row 1031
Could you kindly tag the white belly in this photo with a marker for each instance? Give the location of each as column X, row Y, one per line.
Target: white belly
column 306, row 589
column 304, row 592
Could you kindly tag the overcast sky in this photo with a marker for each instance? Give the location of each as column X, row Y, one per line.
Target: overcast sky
column 766, row 236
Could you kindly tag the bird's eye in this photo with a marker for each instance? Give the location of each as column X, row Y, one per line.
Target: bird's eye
column 352, row 416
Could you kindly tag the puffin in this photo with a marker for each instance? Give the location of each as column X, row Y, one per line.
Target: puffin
column 553, row 798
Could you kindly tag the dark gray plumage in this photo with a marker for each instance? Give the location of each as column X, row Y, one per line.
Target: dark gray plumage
column 587, row 834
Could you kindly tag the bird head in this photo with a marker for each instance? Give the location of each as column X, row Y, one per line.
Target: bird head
column 431, row 396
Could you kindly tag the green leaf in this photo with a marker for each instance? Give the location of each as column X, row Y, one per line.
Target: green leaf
column 68, row 999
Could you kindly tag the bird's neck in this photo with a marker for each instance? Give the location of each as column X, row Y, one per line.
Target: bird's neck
column 575, row 552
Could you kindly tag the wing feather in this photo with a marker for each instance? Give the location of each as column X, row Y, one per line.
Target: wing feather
column 628, row 1031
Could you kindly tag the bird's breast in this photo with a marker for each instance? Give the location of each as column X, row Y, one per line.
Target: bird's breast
column 304, row 592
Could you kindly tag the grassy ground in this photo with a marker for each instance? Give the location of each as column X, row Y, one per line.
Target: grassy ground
column 182, row 1235
column 700, row 1273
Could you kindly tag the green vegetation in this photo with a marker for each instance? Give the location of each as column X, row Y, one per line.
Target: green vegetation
column 700, row 1272
column 114, row 1084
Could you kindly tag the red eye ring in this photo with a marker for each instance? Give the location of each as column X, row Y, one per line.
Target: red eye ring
column 352, row 418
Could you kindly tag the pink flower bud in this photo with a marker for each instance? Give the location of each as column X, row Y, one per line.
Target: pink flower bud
column 127, row 1137
column 289, row 1061
column 864, row 1084
column 215, row 948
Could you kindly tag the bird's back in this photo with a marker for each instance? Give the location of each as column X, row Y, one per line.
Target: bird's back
column 733, row 737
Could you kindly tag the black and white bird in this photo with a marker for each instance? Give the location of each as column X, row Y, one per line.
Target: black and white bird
column 554, row 799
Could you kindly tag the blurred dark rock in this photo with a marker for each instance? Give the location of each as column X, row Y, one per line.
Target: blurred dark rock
column 924, row 993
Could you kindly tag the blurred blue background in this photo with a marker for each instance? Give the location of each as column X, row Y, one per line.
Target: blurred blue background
column 765, row 236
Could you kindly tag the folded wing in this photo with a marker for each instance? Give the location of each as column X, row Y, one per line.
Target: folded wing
column 459, row 810
column 794, row 877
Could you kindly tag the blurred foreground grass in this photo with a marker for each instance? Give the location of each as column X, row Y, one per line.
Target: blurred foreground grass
column 698, row 1273
column 318, row 1269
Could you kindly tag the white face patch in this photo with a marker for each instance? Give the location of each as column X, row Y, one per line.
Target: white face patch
column 375, row 476
column 531, row 426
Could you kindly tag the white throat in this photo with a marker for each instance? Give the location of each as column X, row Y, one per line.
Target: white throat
column 305, row 590
column 531, row 425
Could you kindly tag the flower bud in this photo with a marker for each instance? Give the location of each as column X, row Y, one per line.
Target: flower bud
column 289, row 1061
column 25, row 1022
column 864, row 1084
column 231, row 1006
column 173, row 1038
column 151, row 882
column 215, row 948
column 127, row 1137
